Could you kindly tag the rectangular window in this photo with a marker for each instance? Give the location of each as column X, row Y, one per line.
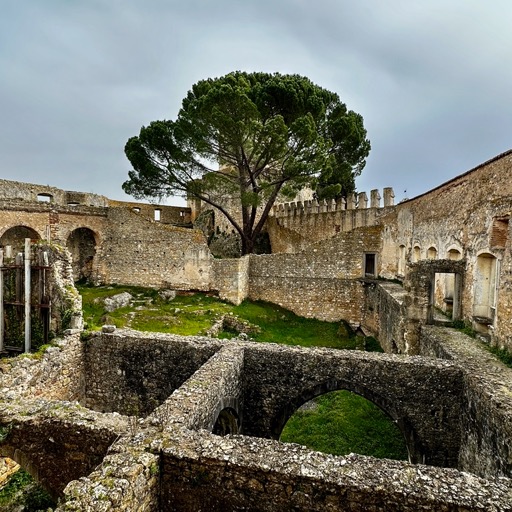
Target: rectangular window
column 158, row 213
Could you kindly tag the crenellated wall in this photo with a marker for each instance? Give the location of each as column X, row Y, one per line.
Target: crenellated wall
column 295, row 226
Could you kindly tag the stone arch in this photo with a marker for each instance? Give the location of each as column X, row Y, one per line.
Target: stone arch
column 416, row 253
column 81, row 244
column 15, row 238
column 414, row 448
column 227, row 417
column 227, row 422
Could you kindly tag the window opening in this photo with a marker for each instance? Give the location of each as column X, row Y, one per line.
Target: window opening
column 369, row 265
column 44, row 198
column 158, row 214
column 432, row 253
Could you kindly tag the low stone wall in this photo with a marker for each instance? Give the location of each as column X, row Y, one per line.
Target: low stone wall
column 216, row 385
column 383, row 314
column 486, row 407
column 205, row 472
column 170, row 460
column 132, row 373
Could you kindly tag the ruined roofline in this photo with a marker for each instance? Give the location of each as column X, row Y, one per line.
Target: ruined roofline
column 464, row 174
column 37, row 193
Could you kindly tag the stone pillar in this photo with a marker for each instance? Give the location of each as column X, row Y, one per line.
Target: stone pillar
column 351, row 201
column 374, row 199
column 389, row 197
column 362, row 201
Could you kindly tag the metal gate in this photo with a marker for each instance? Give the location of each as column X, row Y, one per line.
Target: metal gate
column 24, row 300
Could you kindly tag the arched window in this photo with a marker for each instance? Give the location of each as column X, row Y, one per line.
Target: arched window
column 432, row 253
column 416, row 253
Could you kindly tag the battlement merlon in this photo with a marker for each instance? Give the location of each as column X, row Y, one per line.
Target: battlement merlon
column 351, row 202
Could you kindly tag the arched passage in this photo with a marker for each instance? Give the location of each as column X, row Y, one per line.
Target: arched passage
column 228, row 422
column 15, row 238
column 343, row 422
column 414, row 448
column 82, row 246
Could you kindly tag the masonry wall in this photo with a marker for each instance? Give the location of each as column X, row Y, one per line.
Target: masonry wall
column 460, row 215
column 383, row 315
column 323, row 282
column 141, row 252
column 486, row 421
column 134, row 374
column 231, row 278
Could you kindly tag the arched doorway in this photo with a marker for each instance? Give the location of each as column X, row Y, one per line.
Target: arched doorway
column 15, row 238
column 228, row 422
column 82, row 246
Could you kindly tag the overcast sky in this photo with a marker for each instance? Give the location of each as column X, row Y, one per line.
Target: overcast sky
column 432, row 79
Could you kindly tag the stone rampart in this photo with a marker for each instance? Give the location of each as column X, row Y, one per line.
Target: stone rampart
column 295, row 226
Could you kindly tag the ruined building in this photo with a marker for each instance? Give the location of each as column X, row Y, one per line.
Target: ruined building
column 125, row 421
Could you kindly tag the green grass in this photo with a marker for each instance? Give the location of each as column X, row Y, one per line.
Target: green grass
column 194, row 313
column 342, row 422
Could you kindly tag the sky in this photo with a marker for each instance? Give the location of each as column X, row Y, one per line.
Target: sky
column 78, row 78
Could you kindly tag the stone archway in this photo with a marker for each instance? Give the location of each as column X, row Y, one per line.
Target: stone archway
column 415, row 451
column 228, row 422
column 15, row 238
column 81, row 244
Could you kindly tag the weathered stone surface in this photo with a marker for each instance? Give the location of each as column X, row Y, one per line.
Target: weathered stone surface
column 171, row 461
column 119, row 300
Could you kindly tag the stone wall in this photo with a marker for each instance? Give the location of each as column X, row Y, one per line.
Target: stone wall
column 486, row 405
column 140, row 252
column 323, row 282
column 383, row 315
column 295, row 226
column 134, row 374
column 171, row 461
column 231, row 278
column 468, row 215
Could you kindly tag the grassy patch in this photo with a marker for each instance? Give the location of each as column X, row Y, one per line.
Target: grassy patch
column 195, row 313
column 502, row 354
column 22, row 490
column 342, row 422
